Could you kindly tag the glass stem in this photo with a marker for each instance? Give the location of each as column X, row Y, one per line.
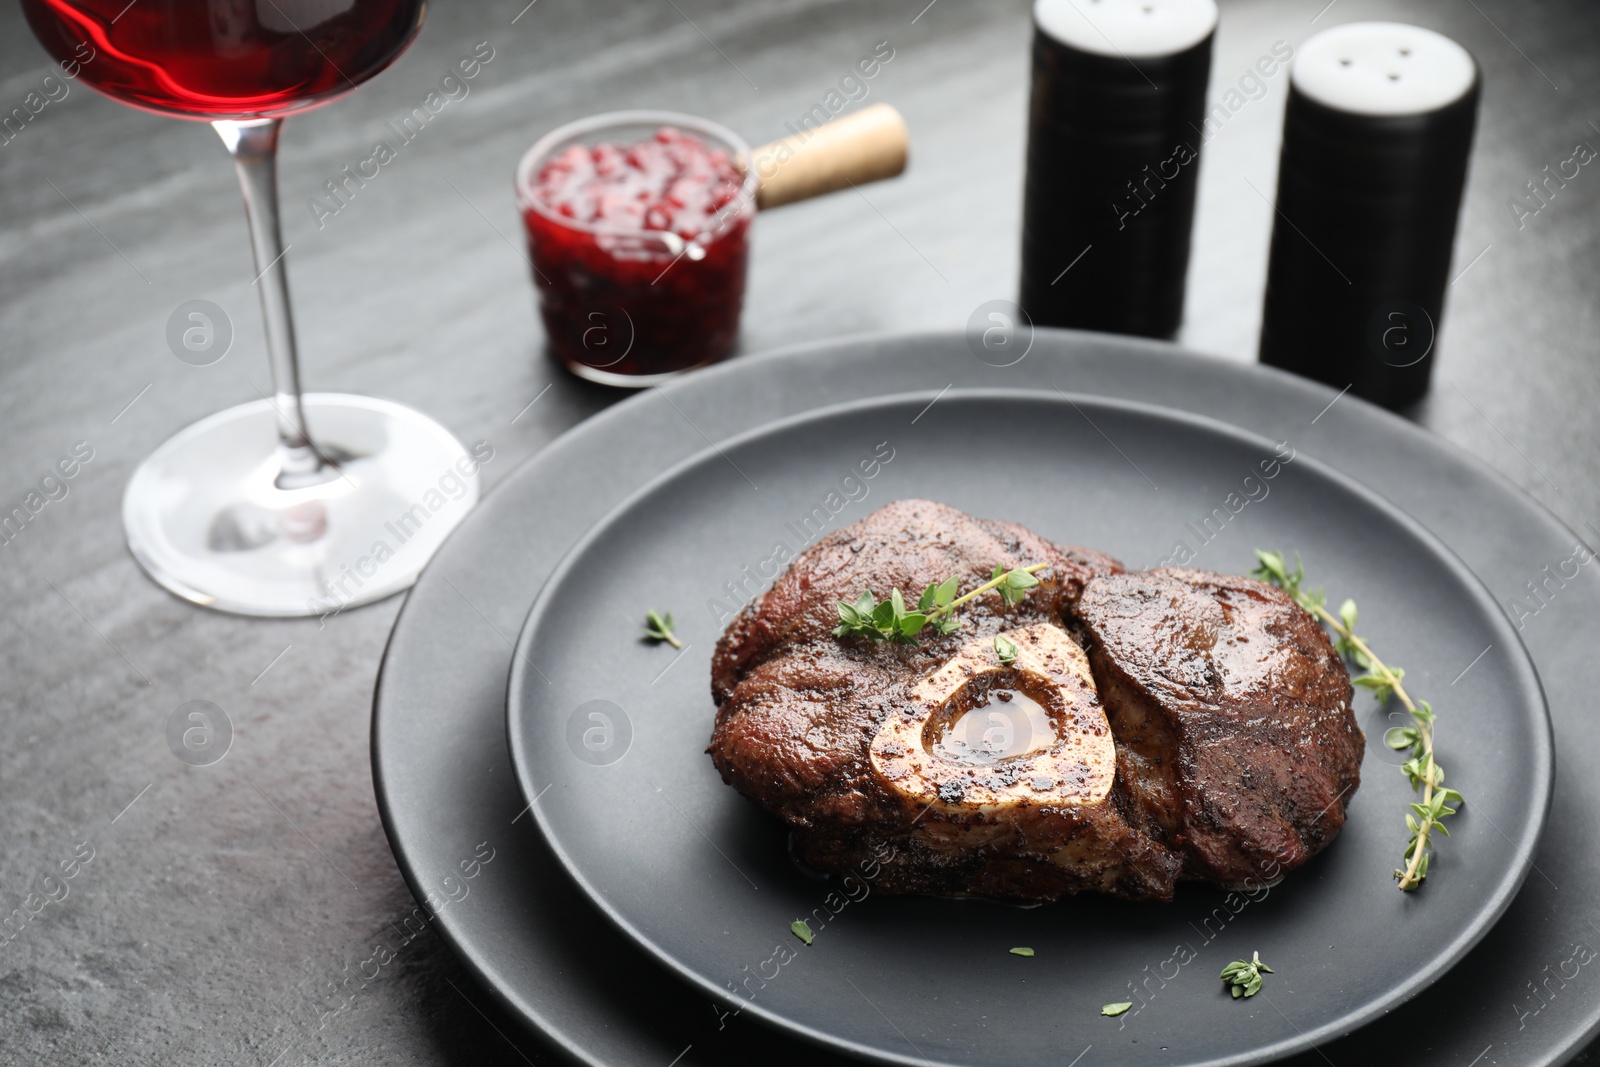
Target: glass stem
column 254, row 147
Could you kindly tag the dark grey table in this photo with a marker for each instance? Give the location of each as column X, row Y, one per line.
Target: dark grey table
column 224, row 904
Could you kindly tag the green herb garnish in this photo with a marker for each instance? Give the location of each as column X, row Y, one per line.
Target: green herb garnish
column 1384, row 682
column 891, row 620
column 799, row 929
column 1013, row 585
column 1245, row 978
column 1006, row 650
column 658, row 627
column 1114, row 1010
column 1022, row 952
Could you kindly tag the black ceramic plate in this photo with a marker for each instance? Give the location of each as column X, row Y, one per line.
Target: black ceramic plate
column 608, row 733
column 445, row 783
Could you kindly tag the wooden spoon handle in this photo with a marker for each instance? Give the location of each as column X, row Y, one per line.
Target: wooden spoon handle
column 864, row 147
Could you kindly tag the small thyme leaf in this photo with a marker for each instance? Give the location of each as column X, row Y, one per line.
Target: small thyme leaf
column 1399, row 737
column 799, row 929
column 1015, row 585
column 1022, row 952
column 1005, row 650
column 911, row 625
column 658, row 627
column 1244, row 979
column 1422, row 770
column 1114, row 1010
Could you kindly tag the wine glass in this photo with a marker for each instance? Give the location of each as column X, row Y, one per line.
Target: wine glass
column 292, row 504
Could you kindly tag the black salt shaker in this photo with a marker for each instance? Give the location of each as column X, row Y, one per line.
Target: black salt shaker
column 1376, row 135
column 1113, row 161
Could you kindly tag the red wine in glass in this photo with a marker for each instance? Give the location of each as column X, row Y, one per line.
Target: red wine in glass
column 225, row 59
column 248, row 510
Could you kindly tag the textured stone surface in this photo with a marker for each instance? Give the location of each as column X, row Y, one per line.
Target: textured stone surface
column 220, row 907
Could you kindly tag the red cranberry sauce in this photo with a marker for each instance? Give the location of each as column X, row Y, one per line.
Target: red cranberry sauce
column 659, row 288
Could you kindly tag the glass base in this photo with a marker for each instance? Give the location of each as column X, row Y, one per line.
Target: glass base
column 629, row 381
column 207, row 519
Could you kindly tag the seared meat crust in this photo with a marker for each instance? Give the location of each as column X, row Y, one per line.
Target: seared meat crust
column 1236, row 743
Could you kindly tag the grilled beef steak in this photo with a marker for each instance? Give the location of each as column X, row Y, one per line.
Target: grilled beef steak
column 1235, row 739
column 951, row 772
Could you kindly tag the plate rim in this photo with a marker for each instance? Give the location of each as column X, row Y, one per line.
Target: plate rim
column 1484, row 919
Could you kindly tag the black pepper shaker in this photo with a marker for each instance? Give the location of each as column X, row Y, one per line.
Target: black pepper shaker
column 1113, row 161
column 1376, row 136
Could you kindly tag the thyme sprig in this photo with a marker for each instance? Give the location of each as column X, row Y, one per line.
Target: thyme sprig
column 891, row 620
column 1244, row 979
column 1422, row 770
column 658, row 627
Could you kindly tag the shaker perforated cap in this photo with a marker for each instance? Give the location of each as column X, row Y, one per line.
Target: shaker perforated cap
column 1383, row 68
column 1127, row 29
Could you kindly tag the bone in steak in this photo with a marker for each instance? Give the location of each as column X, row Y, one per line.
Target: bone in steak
column 1167, row 751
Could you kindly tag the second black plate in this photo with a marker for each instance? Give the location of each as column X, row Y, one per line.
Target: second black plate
column 608, row 735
